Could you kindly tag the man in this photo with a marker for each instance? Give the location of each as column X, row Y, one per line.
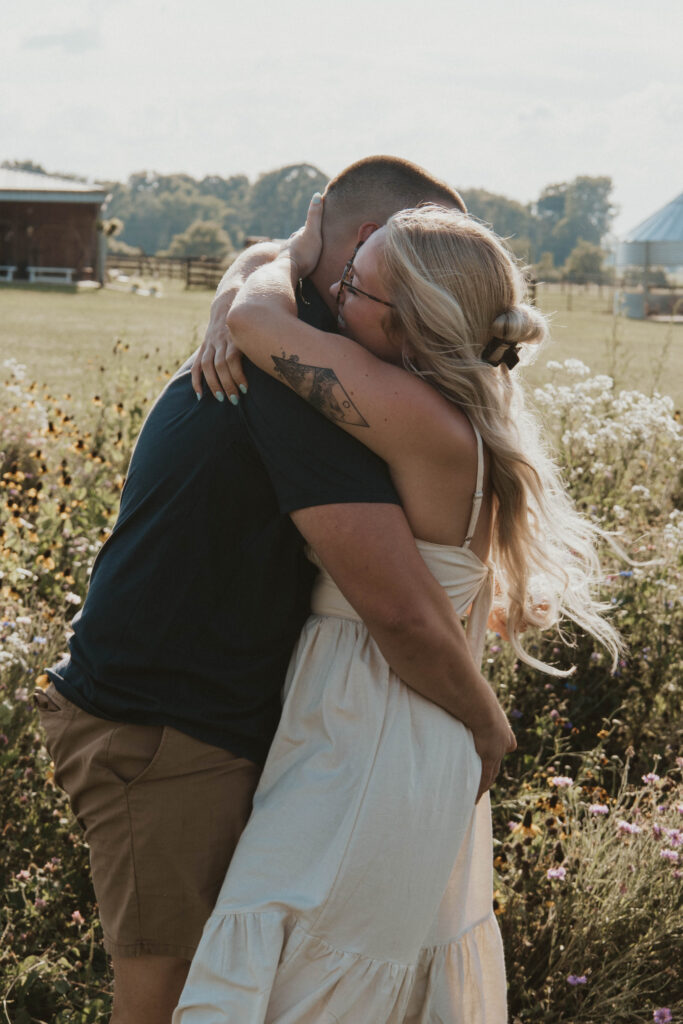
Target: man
column 160, row 719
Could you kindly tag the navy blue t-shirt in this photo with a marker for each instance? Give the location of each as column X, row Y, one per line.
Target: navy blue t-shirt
column 199, row 594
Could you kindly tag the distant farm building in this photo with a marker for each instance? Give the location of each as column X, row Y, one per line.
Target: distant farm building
column 650, row 265
column 48, row 228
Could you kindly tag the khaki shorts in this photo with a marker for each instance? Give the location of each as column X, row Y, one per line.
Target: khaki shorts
column 162, row 813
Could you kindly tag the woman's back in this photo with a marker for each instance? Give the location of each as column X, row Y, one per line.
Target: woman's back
column 438, row 485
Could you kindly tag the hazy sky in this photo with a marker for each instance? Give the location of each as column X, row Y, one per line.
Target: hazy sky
column 504, row 95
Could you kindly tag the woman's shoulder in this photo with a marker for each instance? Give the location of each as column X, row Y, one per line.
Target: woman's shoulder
column 449, row 434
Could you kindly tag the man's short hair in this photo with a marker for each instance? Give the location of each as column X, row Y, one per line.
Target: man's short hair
column 376, row 187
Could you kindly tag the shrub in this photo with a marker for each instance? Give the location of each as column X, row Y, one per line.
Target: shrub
column 589, row 894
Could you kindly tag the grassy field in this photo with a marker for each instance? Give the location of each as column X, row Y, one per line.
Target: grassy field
column 640, row 355
column 62, row 336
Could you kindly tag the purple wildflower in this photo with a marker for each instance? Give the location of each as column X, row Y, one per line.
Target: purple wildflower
column 650, row 777
column 671, row 855
column 599, row 809
column 577, row 979
column 560, row 873
column 674, row 835
column 561, row 781
column 662, row 1016
column 627, row 828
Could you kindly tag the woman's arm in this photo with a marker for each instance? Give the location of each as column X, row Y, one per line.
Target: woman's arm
column 388, row 409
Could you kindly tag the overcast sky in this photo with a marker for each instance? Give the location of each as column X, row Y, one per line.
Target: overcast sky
column 503, row 95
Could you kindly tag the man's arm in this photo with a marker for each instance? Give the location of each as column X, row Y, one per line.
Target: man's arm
column 224, row 374
column 370, row 553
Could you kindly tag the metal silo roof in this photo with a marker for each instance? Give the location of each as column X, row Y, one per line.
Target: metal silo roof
column 658, row 240
column 666, row 225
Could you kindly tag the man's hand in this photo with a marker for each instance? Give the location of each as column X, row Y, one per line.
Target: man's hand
column 492, row 742
column 306, row 244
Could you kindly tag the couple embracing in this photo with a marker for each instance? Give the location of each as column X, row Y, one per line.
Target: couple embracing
column 320, row 537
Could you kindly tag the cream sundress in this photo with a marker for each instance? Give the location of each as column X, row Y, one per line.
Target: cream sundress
column 361, row 889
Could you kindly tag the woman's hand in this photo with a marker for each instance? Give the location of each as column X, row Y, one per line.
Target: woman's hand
column 220, row 362
column 306, row 244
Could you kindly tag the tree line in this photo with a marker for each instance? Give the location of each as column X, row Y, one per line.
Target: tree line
column 560, row 233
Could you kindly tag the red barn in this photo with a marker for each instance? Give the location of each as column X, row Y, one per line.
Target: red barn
column 48, row 228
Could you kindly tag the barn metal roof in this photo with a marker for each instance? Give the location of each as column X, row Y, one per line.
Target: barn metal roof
column 657, row 240
column 27, row 186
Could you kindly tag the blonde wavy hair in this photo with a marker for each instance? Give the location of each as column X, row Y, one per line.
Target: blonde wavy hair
column 456, row 288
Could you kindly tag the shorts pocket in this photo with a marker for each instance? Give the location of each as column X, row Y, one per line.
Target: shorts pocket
column 50, row 701
column 56, row 713
column 133, row 750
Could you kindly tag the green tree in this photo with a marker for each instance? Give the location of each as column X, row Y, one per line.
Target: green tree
column 512, row 220
column 278, row 201
column 584, row 263
column 545, row 269
column 23, row 165
column 202, row 238
column 156, row 207
column 569, row 211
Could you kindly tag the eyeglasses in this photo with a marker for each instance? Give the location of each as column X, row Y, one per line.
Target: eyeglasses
column 345, row 282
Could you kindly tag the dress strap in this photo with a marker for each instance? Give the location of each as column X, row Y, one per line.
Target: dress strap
column 479, row 492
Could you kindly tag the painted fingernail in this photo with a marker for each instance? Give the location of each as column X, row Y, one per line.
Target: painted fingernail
column 234, row 399
column 220, row 396
column 243, row 388
column 317, row 199
column 199, row 395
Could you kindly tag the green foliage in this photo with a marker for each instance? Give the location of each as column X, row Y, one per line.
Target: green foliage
column 585, row 263
column 545, row 270
column 115, row 245
column 589, row 893
column 278, row 201
column 569, row 211
column 52, row 964
column 23, row 165
column 510, row 219
column 155, row 207
column 202, row 238
column 62, row 466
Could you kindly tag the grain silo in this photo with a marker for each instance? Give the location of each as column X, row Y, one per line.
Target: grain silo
column 650, row 265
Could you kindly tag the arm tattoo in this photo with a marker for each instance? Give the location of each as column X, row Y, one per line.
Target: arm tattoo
column 321, row 387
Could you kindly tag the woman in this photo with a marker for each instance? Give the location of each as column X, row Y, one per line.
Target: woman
column 361, row 888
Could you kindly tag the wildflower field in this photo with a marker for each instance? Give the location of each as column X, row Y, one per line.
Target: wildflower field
column 588, row 813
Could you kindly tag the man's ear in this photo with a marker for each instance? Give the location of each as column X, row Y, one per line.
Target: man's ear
column 366, row 229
